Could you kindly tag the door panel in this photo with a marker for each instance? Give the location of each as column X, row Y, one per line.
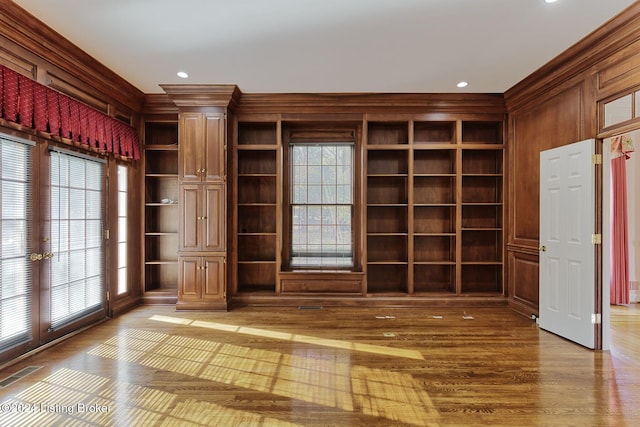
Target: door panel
column 189, row 267
column 190, row 156
column 75, row 260
column 215, row 239
column 214, row 278
column 190, row 217
column 17, row 271
column 567, row 256
column 214, row 151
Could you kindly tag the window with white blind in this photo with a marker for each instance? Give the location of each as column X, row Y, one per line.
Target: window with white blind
column 77, row 266
column 15, row 271
column 122, row 229
column 321, row 203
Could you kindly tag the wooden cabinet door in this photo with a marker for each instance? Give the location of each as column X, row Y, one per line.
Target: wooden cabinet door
column 213, row 286
column 189, row 288
column 202, row 147
column 202, row 278
column 191, row 156
column 202, row 218
column 214, row 148
column 191, row 221
column 214, row 218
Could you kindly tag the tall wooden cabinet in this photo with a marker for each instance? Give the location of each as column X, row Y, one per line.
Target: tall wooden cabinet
column 202, row 188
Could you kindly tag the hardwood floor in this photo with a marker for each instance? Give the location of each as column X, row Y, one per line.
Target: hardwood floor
column 329, row 367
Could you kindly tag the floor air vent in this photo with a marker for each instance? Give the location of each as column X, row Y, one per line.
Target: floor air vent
column 310, row 307
column 18, row 375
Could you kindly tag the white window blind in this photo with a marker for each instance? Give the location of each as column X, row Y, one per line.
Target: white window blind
column 15, row 271
column 122, row 229
column 77, row 267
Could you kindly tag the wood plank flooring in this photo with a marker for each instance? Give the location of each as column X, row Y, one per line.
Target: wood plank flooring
column 331, row 367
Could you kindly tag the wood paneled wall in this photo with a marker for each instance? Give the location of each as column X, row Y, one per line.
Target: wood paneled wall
column 555, row 106
column 33, row 49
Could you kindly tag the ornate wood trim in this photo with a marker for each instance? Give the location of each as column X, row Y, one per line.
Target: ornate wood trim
column 184, row 95
column 372, row 103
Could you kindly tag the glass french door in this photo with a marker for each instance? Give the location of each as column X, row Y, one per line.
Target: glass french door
column 76, row 255
column 16, row 274
column 52, row 257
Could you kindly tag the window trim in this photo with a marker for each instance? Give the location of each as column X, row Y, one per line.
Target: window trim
column 314, row 134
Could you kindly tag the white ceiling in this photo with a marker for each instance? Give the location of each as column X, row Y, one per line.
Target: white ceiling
column 326, row 45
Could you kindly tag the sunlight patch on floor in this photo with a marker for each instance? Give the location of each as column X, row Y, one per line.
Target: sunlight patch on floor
column 305, row 339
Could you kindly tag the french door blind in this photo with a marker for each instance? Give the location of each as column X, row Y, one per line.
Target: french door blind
column 15, row 271
column 76, row 229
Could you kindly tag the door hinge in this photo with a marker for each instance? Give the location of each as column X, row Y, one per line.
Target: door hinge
column 596, row 319
column 106, row 234
column 596, row 159
column 596, row 239
column 108, row 296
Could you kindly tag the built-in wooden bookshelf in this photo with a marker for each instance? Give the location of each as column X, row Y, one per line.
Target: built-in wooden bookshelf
column 432, row 215
column 482, row 208
column 257, row 207
column 434, row 207
column 161, row 209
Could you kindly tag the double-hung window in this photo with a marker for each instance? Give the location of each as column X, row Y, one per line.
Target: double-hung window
column 321, row 203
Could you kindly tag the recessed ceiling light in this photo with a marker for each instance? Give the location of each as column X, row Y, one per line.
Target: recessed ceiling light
column 183, row 75
column 462, row 84
column 550, row 1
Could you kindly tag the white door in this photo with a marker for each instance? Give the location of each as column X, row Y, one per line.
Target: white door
column 567, row 255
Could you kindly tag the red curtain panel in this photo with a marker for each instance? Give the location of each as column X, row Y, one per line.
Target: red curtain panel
column 27, row 102
column 621, row 147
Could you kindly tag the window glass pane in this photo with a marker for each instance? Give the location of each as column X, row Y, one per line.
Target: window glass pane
column 617, row 111
column 314, row 194
column 122, row 179
column 122, row 204
column 122, row 229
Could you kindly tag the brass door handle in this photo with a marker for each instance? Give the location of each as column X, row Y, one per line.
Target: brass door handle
column 542, row 249
column 39, row 257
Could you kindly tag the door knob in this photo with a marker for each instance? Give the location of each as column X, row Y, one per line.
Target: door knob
column 542, row 249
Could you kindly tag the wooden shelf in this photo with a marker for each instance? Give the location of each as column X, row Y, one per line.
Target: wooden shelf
column 160, row 219
column 388, row 133
column 434, row 162
column 257, row 133
column 434, row 132
column 256, row 210
column 481, row 132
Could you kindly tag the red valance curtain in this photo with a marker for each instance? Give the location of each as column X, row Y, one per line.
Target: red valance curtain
column 26, row 102
column 621, row 148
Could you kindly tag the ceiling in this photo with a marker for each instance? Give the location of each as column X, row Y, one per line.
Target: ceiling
column 287, row 46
